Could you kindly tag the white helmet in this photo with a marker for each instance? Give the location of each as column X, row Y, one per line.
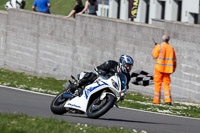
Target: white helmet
column 15, row 4
column 8, row 5
column 19, row 1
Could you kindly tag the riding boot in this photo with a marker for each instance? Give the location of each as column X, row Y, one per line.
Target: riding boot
column 73, row 88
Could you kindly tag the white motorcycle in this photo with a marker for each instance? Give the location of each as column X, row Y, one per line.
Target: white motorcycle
column 95, row 99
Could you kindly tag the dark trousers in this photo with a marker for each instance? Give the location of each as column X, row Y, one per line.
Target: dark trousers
column 48, row 12
column 89, row 78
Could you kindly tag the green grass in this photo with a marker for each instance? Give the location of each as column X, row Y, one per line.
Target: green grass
column 10, row 123
column 61, row 7
column 138, row 101
column 2, row 3
column 132, row 100
column 30, row 82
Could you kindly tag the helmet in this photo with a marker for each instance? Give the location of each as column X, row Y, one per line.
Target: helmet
column 8, row 5
column 19, row 4
column 125, row 63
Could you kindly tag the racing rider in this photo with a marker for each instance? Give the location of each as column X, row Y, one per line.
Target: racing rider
column 108, row 68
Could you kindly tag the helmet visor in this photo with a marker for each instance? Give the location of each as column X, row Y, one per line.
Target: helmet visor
column 128, row 67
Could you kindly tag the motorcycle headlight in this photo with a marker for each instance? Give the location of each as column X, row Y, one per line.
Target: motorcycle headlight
column 115, row 84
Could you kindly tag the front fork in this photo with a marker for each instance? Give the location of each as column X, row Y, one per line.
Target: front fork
column 103, row 95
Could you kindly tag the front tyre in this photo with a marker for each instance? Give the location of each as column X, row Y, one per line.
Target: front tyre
column 57, row 105
column 100, row 107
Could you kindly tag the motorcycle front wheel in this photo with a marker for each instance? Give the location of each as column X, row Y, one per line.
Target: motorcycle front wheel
column 57, row 105
column 100, row 107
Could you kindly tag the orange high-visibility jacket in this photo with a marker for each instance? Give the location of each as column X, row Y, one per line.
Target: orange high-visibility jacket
column 165, row 58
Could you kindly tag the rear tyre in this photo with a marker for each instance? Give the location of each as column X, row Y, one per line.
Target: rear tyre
column 57, row 105
column 100, row 107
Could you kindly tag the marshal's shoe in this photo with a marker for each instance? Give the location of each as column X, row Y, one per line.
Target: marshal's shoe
column 169, row 103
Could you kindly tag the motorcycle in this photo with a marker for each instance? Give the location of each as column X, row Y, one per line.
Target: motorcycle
column 94, row 99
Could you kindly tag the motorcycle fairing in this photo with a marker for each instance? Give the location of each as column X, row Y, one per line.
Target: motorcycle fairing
column 81, row 102
column 89, row 90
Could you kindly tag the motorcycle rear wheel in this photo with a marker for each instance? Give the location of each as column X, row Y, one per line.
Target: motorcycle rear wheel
column 57, row 105
column 100, row 107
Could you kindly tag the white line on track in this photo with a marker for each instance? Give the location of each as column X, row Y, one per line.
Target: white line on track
column 159, row 113
column 119, row 106
column 13, row 88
